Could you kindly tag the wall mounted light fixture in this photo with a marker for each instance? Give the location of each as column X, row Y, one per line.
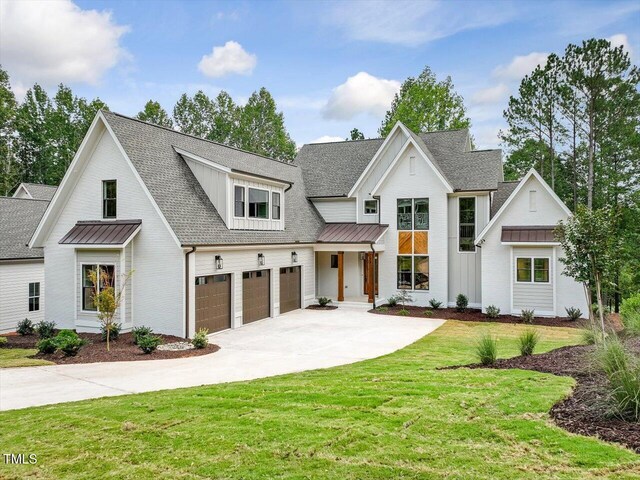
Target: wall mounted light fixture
column 294, row 257
column 260, row 259
column 219, row 263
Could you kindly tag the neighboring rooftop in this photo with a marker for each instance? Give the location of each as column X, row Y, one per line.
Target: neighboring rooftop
column 35, row 191
column 19, row 218
column 505, row 189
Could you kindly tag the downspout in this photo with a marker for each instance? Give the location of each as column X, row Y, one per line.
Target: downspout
column 373, row 261
column 187, row 285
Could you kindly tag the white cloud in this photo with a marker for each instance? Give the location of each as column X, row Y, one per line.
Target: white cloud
column 327, row 139
column 57, row 41
column 362, row 93
column 620, row 39
column 490, row 95
column 228, row 59
column 415, row 22
column 520, row 66
column 486, row 136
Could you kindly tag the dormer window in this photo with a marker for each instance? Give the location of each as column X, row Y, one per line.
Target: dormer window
column 258, row 203
column 109, row 192
column 275, row 206
column 239, row 201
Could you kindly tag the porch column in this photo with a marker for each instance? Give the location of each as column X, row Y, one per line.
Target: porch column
column 341, row 276
column 371, row 287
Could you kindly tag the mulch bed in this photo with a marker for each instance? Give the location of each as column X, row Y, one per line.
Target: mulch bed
column 476, row 315
column 122, row 350
column 318, row 307
column 586, row 411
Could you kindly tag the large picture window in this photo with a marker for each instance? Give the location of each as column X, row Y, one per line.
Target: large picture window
column 467, row 224
column 34, row 296
column 109, row 194
column 258, row 203
column 413, row 272
column 532, row 269
column 238, row 209
column 87, row 285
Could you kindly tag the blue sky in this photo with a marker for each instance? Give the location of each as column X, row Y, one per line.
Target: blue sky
column 331, row 66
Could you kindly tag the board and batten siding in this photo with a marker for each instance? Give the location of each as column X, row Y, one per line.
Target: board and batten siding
column 247, row 223
column 531, row 295
column 337, row 210
column 14, row 293
column 465, row 272
column 214, row 184
column 245, row 260
column 157, row 284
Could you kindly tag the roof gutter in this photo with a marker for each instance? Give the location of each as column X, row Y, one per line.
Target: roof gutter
column 187, row 284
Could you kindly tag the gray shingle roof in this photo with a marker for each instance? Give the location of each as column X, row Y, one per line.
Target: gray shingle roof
column 40, row 191
column 19, row 218
column 505, row 189
column 181, row 198
column 332, row 169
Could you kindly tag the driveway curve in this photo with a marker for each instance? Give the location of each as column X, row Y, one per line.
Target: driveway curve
column 293, row 342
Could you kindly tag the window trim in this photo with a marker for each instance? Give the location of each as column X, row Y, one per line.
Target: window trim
column 364, row 206
column 332, row 256
column 414, row 213
column 532, row 270
column 104, row 200
column 242, row 188
column 410, row 229
column 82, row 287
column 475, row 225
column 268, row 192
column 412, row 274
column 273, row 205
column 30, row 297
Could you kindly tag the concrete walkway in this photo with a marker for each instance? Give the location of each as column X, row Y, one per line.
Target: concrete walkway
column 296, row 341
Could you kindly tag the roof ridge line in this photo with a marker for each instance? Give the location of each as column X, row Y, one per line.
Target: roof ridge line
column 344, row 141
column 31, row 199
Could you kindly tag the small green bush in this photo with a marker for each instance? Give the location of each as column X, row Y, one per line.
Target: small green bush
column 382, row 309
column 492, row 311
column 149, row 343
column 25, row 327
column 427, row 313
column 393, row 301
column 69, row 342
column 527, row 315
column 462, row 302
column 573, row 313
column 403, row 311
column 487, row 349
column 200, row 339
column 435, row 304
column 47, row 345
column 140, row 331
column 3, row 340
column 527, row 342
column 591, row 335
column 45, row 329
column 324, row 301
column 114, row 331
column 630, row 314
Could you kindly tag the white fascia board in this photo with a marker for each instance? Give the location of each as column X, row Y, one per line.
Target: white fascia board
column 531, row 244
column 202, row 160
column 22, row 187
column 257, row 179
column 531, row 173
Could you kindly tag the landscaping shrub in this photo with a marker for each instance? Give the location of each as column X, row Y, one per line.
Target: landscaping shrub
column 393, row 301
column 324, row 301
column 403, row 311
column 427, row 313
column 492, row 311
column 141, row 331
column 462, row 302
column 382, row 309
column 630, row 314
column 3, row 340
column 594, row 309
column 486, row 349
column 47, row 345
column 114, row 331
column 527, row 315
column 25, row 327
column 149, row 343
column 527, row 342
column 591, row 335
column 200, row 339
column 69, row 342
column 45, row 329
column 435, row 304
column 573, row 313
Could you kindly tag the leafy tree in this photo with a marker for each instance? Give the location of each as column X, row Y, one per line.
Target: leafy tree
column 261, row 128
column 356, row 135
column 154, row 113
column 424, row 104
column 194, row 115
column 9, row 169
column 225, row 121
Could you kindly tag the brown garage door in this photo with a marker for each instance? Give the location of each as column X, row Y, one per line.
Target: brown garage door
column 289, row 289
column 255, row 295
column 213, row 302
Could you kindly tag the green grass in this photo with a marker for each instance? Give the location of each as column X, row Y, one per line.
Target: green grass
column 18, row 357
column 391, row 417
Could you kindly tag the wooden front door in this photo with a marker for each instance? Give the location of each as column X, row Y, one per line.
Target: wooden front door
column 370, row 281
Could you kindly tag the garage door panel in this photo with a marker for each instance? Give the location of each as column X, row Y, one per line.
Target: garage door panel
column 213, row 303
column 290, row 289
column 256, row 295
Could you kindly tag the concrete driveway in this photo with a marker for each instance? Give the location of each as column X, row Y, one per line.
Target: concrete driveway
column 296, row 341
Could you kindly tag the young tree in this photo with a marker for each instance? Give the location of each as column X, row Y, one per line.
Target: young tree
column 106, row 298
column 9, row 169
column 356, row 134
column 424, row 104
column 154, row 113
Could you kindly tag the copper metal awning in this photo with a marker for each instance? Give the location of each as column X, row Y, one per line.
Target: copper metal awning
column 102, row 232
column 352, row 232
column 529, row 234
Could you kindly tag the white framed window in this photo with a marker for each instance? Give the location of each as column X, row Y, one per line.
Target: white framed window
column 466, row 224
column 371, row 207
column 258, row 203
column 109, row 198
column 34, row 296
column 238, row 201
column 275, row 205
column 88, row 304
column 532, row 270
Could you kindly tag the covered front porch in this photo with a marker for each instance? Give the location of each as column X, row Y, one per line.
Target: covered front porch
column 349, row 276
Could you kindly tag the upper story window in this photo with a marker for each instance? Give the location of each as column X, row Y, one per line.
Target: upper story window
column 34, row 296
column 421, row 214
column 238, row 202
column 467, row 224
column 413, row 214
column 275, row 206
column 404, row 214
column 109, row 192
column 371, row 207
column 258, row 203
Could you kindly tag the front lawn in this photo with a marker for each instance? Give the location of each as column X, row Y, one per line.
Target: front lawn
column 19, row 357
column 391, row 417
